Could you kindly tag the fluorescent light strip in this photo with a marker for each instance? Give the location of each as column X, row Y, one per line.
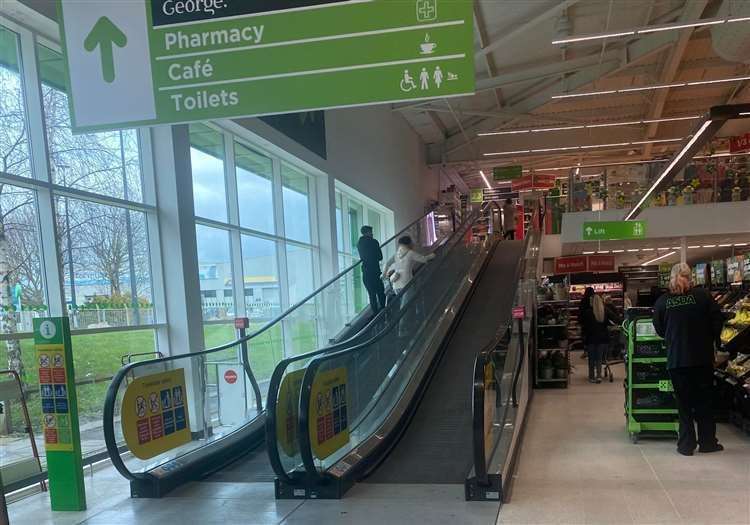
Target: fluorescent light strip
column 647, row 249
column 618, row 251
column 652, row 29
column 603, row 252
column 588, row 253
column 577, row 148
column 669, row 168
column 725, row 245
column 648, row 88
column 484, row 178
column 709, row 246
column 588, row 126
column 652, row 261
column 633, row 250
column 693, row 247
column 676, row 248
column 740, row 244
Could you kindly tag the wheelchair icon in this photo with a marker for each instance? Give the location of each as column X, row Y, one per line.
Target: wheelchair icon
column 407, row 83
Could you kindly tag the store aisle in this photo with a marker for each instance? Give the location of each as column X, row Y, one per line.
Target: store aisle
column 578, row 466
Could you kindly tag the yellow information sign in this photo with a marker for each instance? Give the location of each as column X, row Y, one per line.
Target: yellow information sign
column 155, row 414
column 329, row 418
column 287, row 412
column 53, row 390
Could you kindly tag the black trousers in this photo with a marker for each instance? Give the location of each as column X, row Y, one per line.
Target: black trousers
column 375, row 290
column 510, row 234
column 693, row 389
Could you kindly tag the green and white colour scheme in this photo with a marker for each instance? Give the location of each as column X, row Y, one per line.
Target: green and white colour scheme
column 149, row 62
column 614, row 230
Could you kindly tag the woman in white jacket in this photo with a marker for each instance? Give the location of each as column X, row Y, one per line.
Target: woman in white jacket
column 400, row 268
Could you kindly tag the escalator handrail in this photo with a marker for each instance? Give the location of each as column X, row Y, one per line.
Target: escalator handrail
column 479, row 444
column 303, row 434
column 353, row 342
column 111, row 396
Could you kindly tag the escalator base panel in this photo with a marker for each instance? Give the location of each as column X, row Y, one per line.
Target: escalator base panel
column 332, row 488
column 478, row 492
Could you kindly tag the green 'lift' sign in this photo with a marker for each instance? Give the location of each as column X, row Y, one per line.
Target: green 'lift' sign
column 148, row 62
column 613, row 230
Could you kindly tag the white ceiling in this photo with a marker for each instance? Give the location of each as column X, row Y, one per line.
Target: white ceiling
column 521, row 69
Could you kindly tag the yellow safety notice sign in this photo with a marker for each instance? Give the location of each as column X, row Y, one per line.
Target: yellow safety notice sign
column 329, row 418
column 53, row 390
column 155, row 414
column 287, row 412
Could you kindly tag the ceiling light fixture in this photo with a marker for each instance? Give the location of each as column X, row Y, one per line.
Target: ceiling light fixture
column 740, row 244
column 579, row 148
column 586, row 126
column 675, row 247
column 651, row 29
column 647, row 249
column 693, row 247
column 668, row 169
column 649, row 88
column 633, row 250
column 725, row 245
column 652, row 261
column 484, row 178
column 588, row 253
column 618, row 251
column 709, row 246
column 603, row 252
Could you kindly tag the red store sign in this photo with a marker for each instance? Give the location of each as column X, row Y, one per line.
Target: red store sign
column 574, row 264
column 741, row 143
column 601, row 263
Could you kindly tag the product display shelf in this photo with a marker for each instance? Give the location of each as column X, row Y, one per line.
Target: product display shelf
column 551, row 357
column 650, row 407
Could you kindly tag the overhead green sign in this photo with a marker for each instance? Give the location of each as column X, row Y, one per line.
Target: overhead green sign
column 613, row 230
column 149, row 62
column 476, row 195
column 507, row 172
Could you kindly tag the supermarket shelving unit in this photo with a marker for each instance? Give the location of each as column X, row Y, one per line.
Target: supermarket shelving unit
column 552, row 338
column 650, row 407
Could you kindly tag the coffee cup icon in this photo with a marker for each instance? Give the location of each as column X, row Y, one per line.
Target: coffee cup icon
column 427, row 47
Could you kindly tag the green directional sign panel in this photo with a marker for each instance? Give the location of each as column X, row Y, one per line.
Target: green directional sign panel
column 507, row 172
column 476, row 195
column 613, row 230
column 149, row 62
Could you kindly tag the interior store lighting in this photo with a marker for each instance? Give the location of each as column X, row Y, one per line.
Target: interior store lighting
column 603, row 252
column 651, row 29
column 652, row 261
column 578, row 148
column 618, row 251
column 725, row 245
column 484, row 178
column 587, row 126
column 633, row 250
column 693, row 247
column 647, row 249
column 669, row 168
column 709, row 246
column 588, row 253
column 649, row 88
column 740, row 244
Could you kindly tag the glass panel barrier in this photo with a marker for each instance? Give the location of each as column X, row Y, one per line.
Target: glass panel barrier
column 224, row 392
column 378, row 370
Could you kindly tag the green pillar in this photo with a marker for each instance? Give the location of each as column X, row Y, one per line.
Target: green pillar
column 4, row 520
column 57, row 393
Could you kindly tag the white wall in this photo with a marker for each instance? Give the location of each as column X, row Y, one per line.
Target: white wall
column 373, row 150
column 670, row 221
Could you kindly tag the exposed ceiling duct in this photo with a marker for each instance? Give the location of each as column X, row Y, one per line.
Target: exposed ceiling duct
column 732, row 41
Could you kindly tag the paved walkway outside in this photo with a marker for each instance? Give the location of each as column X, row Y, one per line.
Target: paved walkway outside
column 578, row 466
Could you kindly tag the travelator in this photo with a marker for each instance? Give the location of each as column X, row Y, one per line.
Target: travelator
column 344, row 411
column 226, row 386
column 400, row 407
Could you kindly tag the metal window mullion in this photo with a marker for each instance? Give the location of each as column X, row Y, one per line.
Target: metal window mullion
column 48, row 247
column 235, row 238
column 278, row 206
column 156, row 262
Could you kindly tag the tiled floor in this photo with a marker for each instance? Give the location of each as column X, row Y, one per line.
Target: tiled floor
column 578, row 466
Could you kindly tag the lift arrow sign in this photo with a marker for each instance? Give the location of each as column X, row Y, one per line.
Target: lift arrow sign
column 103, row 35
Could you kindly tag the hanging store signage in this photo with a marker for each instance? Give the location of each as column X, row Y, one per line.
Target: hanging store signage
column 601, row 263
column 534, row 182
column 149, row 62
column 739, row 144
column 575, row 264
column 746, row 271
column 613, row 230
column 329, row 417
column 507, row 172
column 735, row 267
column 155, row 414
column 476, row 196
column 496, row 194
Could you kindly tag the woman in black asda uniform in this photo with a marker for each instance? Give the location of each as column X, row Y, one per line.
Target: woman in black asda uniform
column 690, row 321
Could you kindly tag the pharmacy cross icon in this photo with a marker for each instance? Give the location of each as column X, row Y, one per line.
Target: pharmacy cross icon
column 426, row 10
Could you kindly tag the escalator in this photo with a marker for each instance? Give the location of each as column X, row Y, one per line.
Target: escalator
column 399, row 408
column 230, row 425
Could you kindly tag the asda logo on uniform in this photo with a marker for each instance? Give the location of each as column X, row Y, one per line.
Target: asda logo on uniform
column 680, row 300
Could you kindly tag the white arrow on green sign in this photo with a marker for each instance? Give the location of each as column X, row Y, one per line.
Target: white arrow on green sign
column 613, row 230
column 171, row 61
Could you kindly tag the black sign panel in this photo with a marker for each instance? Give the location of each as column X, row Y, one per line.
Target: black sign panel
column 165, row 12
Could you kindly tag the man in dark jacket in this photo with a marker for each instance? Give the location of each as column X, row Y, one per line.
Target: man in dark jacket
column 690, row 321
column 370, row 254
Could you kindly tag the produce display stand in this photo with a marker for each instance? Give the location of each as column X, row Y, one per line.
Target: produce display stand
column 551, row 356
column 650, row 407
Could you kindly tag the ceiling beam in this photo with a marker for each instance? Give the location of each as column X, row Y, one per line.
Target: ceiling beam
column 635, row 52
column 489, row 63
column 692, row 11
column 525, row 26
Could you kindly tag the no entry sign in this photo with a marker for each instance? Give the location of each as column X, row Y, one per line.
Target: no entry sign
column 230, row 376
